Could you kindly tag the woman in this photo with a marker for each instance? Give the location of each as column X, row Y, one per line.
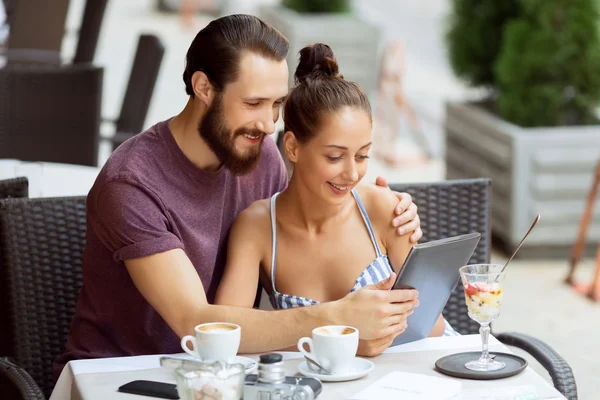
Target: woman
column 312, row 242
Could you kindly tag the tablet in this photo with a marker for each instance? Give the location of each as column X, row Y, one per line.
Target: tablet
column 432, row 269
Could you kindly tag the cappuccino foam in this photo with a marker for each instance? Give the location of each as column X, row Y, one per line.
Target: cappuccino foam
column 335, row 332
column 216, row 328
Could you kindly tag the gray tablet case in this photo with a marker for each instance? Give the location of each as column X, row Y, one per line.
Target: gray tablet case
column 432, row 269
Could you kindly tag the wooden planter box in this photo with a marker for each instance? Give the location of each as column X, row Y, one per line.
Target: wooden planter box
column 533, row 170
column 354, row 41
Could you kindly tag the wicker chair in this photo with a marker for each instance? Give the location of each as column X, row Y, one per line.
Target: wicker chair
column 458, row 207
column 50, row 113
column 89, row 31
column 16, row 383
column 9, row 188
column 42, row 243
column 140, row 86
column 14, row 188
column 43, row 46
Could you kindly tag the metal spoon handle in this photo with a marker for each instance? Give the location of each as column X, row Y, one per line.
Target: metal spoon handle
column 316, row 364
column 535, row 221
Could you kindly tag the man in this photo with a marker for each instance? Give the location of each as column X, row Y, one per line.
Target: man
column 161, row 208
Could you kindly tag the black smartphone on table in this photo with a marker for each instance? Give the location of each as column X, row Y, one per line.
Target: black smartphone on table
column 151, row 388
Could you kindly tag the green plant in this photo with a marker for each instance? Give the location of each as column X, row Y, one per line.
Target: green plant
column 474, row 38
column 548, row 69
column 318, row 6
column 539, row 58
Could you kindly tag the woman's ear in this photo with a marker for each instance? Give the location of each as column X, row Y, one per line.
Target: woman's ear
column 203, row 89
column 290, row 146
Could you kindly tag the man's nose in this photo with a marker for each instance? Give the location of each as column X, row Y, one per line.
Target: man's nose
column 266, row 125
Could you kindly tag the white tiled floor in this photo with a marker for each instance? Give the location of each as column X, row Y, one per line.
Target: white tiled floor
column 536, row 301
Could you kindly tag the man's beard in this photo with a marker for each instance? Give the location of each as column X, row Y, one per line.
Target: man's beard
column 221, row 140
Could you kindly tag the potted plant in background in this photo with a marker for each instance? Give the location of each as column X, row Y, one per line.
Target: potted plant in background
column 353, row 40
column 536, row 132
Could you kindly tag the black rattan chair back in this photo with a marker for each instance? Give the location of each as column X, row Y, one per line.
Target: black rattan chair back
column 50, row 113
column 42, row 249
column 9, row 188
column 140, row 87
column 14, row 188
column 451, row 208
column 89, row 31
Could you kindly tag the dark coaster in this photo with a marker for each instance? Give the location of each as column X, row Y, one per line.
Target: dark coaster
column 454, row 365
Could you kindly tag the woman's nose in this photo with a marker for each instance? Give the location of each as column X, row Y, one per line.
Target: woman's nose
column 351, row 171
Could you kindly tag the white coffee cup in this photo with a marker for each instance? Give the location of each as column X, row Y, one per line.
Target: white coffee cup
column 214, row 341
column 333, row 347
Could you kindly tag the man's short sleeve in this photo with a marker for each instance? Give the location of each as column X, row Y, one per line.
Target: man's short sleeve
column 131, row 221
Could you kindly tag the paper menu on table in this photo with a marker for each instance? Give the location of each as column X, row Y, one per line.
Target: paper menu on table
column 499, row 393
column 409, row 386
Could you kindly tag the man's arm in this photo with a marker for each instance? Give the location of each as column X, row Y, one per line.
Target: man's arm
column 169, row 282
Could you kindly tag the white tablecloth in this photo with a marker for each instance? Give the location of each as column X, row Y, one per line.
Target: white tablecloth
column 147, row 366
column 51, row 179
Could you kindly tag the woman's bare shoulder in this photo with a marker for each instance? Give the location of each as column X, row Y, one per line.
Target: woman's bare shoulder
column 379, row 203
column 251, row 230
column 256, row 216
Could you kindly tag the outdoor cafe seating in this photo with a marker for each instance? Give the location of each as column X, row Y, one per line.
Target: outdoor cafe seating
column 41, row 246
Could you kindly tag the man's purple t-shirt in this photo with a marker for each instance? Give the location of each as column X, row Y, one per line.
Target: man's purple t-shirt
column 150, row 198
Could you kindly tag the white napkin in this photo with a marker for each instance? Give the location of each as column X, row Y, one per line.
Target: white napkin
column 409, row 386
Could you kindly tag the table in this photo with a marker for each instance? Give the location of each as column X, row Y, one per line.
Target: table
column 48, row 179
column 100, row 379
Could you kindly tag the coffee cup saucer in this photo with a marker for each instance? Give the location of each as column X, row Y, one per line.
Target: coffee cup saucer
column 359, row 367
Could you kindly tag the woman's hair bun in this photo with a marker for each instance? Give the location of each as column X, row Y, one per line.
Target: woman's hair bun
column 316, row 61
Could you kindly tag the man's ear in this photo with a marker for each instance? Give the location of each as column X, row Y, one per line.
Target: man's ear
column 291, row 146
column 203, row 89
